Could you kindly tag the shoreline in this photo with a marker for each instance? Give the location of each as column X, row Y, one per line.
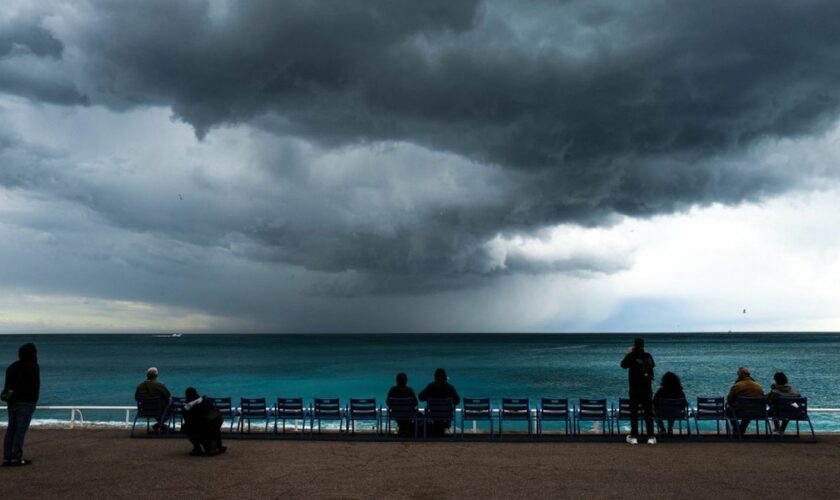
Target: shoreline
column 85, row 463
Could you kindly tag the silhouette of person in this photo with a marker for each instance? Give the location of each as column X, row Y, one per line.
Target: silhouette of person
column 202, row 424
column 402, row 390
column 440, row 388
column 744, row 386
column 670, row 388
column 639, row 365
column 780, row 389
column 151, row 388
column 20, row 390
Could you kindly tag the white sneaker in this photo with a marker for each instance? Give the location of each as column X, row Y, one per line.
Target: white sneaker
column 632, row 440
column 651, row 440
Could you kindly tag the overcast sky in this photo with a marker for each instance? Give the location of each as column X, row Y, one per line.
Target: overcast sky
column 405, row 166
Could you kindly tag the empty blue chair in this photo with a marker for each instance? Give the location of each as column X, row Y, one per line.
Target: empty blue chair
column 793, row 409
column 326, row 409
column 554, row 410
column 252, row 409
column 515, row 409
column 176, row 412
column 401, row 410
column 438, row 414
column 150, row 409
column 225, row 407
column 622, row 414
column 711, row 409
column 476, row 410
column 754, row 409
column 593, row 410
column 668, row 410
column 289, row 409
column 363, row 410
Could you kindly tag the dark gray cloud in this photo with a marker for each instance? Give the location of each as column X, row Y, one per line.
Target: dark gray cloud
column 614, row 108
column 540, row 112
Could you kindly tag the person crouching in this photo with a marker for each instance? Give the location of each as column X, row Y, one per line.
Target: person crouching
column 202, row 424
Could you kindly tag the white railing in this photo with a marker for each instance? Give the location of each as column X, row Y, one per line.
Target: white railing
column 77, row 415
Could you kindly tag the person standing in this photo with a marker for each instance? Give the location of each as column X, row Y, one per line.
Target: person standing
column 20, row 390
column 639, row 365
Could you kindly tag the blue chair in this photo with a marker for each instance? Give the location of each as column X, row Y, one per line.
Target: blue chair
column 225, row 407
column 439, row 412
column 252, row 409
column 673, row 410
column 363, row 410
column 515, row 409
column 554, row 410
column 751, row 409
column 711, row 409
column 401, row 410
column 793, row 409
column 593, row 410
column 150, row 408
column 290, row 409
column 476, row 409
column 622, row 414
column 176, row 412
column 326, row 409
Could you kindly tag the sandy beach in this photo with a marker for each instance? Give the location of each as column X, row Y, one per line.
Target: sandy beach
column 103, row 463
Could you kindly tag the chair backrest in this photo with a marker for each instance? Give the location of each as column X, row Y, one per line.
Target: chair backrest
column 150, row 407
column 592, row 409
column 623, row 409
column 401, row 408
column 751, row 408
column 710, row 409
column 554, row 407
column 791, row 408
column 672, row 408
column 476, row 409
column 176, row 405
column 363, row 408
column 440, row 408
column 290, row 408
column 253, row 407
column 326, row 408
column 515, row 408
column 224, row 405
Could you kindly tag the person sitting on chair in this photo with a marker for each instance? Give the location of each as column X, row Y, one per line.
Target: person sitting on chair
column 202, row 424
column 402, row 390
column 151, row 388
column 670, row 388
column 779, row 390
column 440, row 389
column 745, row 386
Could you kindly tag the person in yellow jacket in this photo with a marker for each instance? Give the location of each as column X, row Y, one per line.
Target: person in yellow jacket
column 745, row 386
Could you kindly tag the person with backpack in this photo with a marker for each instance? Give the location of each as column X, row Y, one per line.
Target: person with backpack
column 639, row 365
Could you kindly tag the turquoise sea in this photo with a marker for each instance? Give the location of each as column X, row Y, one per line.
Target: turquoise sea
column 104, row 369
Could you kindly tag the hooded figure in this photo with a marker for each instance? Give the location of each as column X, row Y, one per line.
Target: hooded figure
column 21, row 390
column 202, row 424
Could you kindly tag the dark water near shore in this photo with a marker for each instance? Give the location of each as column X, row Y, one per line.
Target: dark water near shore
column 104, row 369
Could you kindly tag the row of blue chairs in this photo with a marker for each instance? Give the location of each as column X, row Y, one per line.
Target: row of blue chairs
column 556, row 410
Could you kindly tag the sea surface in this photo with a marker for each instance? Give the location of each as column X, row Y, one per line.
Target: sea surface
column 104, row 369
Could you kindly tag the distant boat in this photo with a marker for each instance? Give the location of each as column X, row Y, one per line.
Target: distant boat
column 176, row 335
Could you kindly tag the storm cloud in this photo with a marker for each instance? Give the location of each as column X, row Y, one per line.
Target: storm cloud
column 394, row 147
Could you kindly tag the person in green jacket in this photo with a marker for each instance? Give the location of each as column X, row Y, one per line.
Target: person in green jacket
column 151, row 388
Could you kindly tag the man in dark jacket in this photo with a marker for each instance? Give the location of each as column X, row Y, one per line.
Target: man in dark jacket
column 440, row 389
column 202, row 424
column 639, row 365
column 21, row 390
